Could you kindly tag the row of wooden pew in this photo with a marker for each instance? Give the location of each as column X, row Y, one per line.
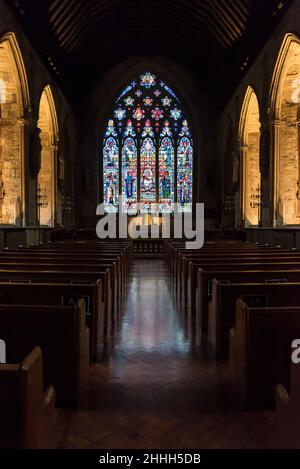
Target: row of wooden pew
column 59, row 306
column 244, row 299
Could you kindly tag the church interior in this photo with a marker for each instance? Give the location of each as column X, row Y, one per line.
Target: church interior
column 121, row 122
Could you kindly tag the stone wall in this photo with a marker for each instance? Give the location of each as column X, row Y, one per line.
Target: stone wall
column 19, row 156
column 279, row 141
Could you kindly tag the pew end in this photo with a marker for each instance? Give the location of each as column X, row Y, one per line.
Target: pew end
column 287, row 433
column 26, row 409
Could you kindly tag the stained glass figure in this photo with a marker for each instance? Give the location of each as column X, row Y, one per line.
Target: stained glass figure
column 166, row 131
column 175, row 113
column 120, row 113
column 148, row 101
column 185, row 131
column 111, row 174
column 148, row 80
column 148, row 174
column 129, row 129
column 138, row 113
column 129, row 174
column 184, row 173
column 148, row 132
column 166, row 101
column 111, row 129
column 157, row 114
column 166, row 175
column 129, row 101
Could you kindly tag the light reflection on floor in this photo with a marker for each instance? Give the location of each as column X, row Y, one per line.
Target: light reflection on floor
column 151, row 322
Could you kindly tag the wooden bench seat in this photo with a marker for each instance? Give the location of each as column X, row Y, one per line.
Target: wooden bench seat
column 260, row 352
column 62, row 335
column 55, row 274
column 221, row 316
column 63, row 294
column 120, row 260
column 254, row 274
column 27, row 411
column 187, row 279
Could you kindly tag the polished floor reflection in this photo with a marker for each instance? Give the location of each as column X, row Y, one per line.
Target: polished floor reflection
column 155, row 389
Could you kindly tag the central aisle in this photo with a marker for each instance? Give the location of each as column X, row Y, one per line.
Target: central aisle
column 155, row 390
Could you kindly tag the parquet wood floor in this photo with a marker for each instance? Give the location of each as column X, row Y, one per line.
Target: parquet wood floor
column 157, row 390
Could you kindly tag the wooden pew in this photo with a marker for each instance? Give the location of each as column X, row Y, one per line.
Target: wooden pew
column 260, row 352
column 177, row 253
column 271, row 273
column 221, row 316
column 117, row 255
column 60, row 275
column 105, row 271
column 27, row 411
column 63, row 294
column 287, row 430
column 188, row 272
column 63, row 337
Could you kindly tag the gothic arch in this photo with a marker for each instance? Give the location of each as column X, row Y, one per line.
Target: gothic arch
column 285, row 119
column 148, row 147
column 180, row 81
column 249, row 141
column 14, row 106
column 47, row 177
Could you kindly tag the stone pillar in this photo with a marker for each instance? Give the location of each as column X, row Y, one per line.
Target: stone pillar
column 56, row 194
column 33, row 167
column 23, row 122
column 274, row 151
column 264, row 166
column 238, row 181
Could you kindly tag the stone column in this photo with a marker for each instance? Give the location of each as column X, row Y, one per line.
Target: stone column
column 264, row 166
column 23, row 122
column 238, row 180
column 274, row 160
column 55, row 192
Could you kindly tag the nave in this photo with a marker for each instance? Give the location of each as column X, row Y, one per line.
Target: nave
column 157, row 389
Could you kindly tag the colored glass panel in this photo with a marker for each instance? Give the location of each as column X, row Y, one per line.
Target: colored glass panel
column 184, row 173
column 148, row 174
column 129, row 174
column 166, row 175
column 111, row 174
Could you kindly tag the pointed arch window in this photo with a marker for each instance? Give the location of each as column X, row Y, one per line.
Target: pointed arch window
column 148, row 149
column 14, row 103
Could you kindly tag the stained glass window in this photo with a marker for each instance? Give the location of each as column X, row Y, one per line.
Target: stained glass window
column 148, row 148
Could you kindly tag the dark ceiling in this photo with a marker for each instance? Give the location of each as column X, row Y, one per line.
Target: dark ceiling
column 216, row 40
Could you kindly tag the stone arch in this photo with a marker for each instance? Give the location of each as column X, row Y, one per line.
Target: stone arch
column 285, row 120
column 47, row 186
column 14, row 107
column 249, row 140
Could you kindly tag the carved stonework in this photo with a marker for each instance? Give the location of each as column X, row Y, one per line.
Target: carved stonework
column 22, row 121
column 243, row 148
column 275, row 123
